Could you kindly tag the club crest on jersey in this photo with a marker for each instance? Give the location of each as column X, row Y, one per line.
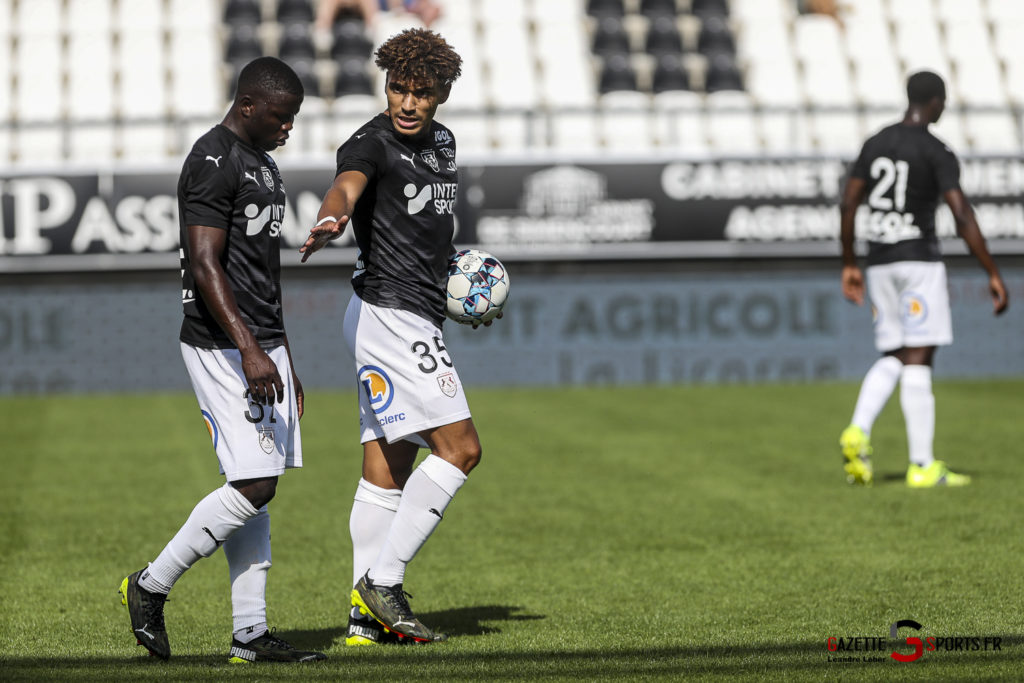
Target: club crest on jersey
column 431, row 160
column 913, row 308
column 378, row 387
column 268, row 178
column 266, row 436
column 446, row 380
column 442, row 136
column 452, row 167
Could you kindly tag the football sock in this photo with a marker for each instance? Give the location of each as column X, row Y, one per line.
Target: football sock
column 372, row 513
column 248, row 553
column 426, row 496
column 878, row 385
column 918, row 404
column 250, row 633
column 212, row 521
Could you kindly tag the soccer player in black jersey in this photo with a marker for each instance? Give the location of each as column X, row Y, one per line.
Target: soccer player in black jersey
column 903, row 171
column 395, row 183
column 231, row 202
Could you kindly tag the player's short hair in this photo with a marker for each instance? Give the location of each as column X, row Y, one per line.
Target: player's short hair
column 268, row 76
column 417, row 55
column 923, row 86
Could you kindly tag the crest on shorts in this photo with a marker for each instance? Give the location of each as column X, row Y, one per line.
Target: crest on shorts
column 268, row 178
column 446, row 380
column 266, row 439
column 913, row 308
column 431, row 160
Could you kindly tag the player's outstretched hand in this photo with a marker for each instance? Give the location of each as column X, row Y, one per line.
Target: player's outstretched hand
column 265, row 383
column 491, row 321
column 1000, row 298
column 853, row 284
column 321, row 234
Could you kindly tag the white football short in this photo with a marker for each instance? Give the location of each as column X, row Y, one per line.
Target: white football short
column 407, row 381
column 911, row 304
column 251, row 440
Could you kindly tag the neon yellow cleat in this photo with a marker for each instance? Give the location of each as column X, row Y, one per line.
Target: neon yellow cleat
column 856, row 448
column 936, row 474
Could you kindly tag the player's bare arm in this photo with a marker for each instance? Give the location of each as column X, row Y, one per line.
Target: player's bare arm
column 967, row 228
column 334, row 212
column 206, row 246
column 852, row 277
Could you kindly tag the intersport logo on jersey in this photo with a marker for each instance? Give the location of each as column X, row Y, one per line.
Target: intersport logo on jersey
column 441, row 195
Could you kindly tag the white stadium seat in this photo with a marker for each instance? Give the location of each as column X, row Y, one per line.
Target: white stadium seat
column 625, row 121
column 574, row 131
column 38, row 70
column 92, row 143
column 837, row 133
column 731, row 123
column 994, row 132
column 38, row 146
column 950, row 129
column 90, row 16
column 679, row 122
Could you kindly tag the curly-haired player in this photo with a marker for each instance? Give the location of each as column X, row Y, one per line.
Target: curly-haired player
column 396, row 183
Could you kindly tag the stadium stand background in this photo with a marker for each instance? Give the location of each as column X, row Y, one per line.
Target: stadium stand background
column 101, row 81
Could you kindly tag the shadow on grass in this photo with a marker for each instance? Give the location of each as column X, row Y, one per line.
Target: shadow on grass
column 437, row 662
column 464, row 621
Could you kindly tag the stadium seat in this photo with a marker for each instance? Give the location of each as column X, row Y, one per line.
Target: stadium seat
column 624, row 121
column 1000, row 11
column 296, row 42
column 663, row 37
column 1015, row 83
column 708, row 8
column 352, row 78
column 785, row 132
column 722, row 73
column 142, row 89
column 617, row 73
column 139, row 15
column 679, row 122
column 877, row 81
column 950, row 129
column 37, row 145
column 498, row 12
column 242, row 12
column 472, row 134
column 757, row 12
column 350, row 40
column 348, row 113
column 192, row 14
column 670, row 74
column 574, row 131
column 951, row 12
column 90, row 16
column 144, row 142
column 731, row 123
column 992, row 132
column 775, row 82
column 837, row 133
column 655, row 8
column 912, row 12
column 311, row 136
column 816, row 39
column 90, row 71
column 966, row 39
column 715, row 36
column 92, row 143
column 979, row 81
column 37, row 69
column 305, row 69
column 601, row 8
column 243, row 45
column 295, row 11
column 38, row 18
column 610, row 37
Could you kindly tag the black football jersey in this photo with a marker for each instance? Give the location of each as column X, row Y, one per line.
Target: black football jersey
column 907, row 170
column 233, row 186
column 404, row 221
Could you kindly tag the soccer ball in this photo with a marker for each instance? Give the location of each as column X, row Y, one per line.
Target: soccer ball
column 477, row 287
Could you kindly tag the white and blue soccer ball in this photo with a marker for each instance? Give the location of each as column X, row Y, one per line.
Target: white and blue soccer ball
column 477, row 287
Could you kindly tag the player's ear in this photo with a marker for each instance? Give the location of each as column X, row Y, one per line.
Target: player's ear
column 246, row 106
column 446, row 90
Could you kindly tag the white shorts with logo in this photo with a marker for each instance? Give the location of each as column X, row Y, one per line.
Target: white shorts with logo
column 407, row 381
column 911, row 304
column 251, row 440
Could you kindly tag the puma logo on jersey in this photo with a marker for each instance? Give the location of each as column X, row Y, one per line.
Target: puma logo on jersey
column 252, row 177
column 215, row 160
column 271, row 213
column 411, row 160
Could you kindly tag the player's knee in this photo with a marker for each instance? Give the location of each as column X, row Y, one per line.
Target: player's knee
column 258, row 492
column 470, row 456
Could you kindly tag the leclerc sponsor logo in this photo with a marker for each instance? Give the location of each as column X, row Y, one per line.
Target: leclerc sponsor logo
column 912, row 648
column 379, row 389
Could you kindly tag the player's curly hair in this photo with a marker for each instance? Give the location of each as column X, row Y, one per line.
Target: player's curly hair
column 417, row 55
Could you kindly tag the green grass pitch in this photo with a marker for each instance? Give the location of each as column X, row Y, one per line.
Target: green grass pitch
column 609, row 533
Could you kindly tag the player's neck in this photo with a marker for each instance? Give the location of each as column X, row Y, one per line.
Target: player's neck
column 915, row 116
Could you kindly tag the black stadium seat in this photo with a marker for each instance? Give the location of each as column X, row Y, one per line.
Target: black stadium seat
column 722, row 73
column 242, row 12
column 305, row 69
column 603, row 8
column 657, row 8
column 707, row 8
column 617, row 74
column 663, row 37
column 296, row 43
column 670, row 74
column 352, row 78
column 294, row 11
column 350, row 40
column 610, row 37
column 243, row 44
